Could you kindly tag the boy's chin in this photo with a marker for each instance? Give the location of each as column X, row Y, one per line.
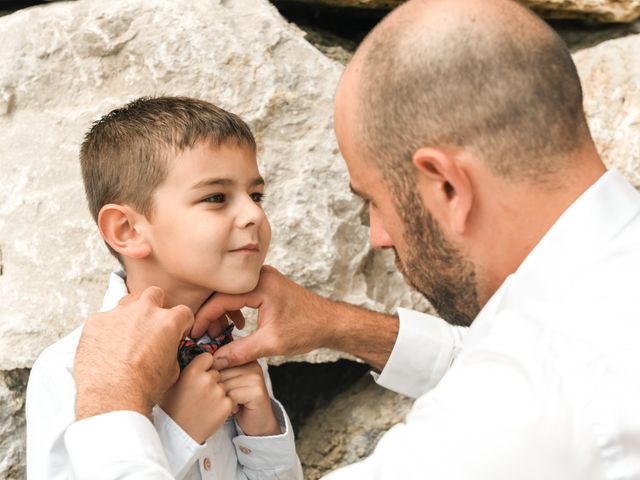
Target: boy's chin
column 238, row 286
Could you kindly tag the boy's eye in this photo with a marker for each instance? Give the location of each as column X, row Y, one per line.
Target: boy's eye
column 257, row 197
column 216, row 198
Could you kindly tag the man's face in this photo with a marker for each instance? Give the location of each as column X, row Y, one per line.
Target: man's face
column 208, row 230
column 428, row 260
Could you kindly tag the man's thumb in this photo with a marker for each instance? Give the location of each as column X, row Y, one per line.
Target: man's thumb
column 240, row 351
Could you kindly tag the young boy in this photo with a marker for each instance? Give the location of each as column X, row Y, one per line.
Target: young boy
column 174, row 187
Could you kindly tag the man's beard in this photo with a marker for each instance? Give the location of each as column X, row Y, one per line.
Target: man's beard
column 434, row 266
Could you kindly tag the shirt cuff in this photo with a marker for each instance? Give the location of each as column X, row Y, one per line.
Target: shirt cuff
column 181, row 450
column 271, row 452
column 113, row 445
column 423, row 352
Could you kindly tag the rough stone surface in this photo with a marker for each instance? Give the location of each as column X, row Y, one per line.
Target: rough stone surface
column 12, row 434
column 597, row 10
column 65, row 64
column 610, row 74
column 348, row 428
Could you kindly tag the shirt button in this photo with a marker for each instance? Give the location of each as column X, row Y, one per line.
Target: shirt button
column 245, row 450
column 206, row 463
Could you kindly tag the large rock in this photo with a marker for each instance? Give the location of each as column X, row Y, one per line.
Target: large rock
column 598, row 10
column 12, row 433
column 610, row 74
column 348, row 428
column 66, row 64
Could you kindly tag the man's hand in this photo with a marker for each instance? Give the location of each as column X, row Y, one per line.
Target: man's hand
column 245, row 386
column 293, row 320
column 198, row 402
column 288, row 318
column 126, row 358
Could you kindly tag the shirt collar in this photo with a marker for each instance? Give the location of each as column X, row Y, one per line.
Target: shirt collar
column 116, row 290
column 569, row 246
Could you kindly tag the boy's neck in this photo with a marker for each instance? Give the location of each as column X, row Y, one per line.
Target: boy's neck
column 175, row 293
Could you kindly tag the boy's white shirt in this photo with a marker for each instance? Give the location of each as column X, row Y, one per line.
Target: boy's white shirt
column 227, row 454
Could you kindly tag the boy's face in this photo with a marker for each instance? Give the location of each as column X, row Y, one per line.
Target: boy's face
column 208, row 229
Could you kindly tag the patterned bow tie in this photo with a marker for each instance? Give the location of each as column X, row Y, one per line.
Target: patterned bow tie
column 190, row 348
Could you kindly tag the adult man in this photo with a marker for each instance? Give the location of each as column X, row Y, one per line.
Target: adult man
column 461, row 124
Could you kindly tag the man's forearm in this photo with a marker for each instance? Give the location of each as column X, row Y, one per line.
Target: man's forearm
column 360, row 332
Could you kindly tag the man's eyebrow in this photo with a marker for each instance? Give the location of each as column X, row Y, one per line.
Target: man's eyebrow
column 225, row 182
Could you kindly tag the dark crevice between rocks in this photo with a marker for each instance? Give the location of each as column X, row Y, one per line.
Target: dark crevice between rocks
column 337, row 31
column 304, row 387
column 7, row 7
column 348, row 23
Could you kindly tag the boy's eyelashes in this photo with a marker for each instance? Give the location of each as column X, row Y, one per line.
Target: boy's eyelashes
column 215, row 198
column 222, row 197
column 258, row 197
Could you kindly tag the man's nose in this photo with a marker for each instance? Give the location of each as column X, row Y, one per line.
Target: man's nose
column 378, row 235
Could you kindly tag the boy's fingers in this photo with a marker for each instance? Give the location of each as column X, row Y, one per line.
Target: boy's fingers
column 240, row 351
column 240, row 381
column 232, row 372
column 202, row 362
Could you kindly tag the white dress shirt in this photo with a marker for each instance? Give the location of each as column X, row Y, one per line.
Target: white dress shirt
column 123, row 438
column 545, row 384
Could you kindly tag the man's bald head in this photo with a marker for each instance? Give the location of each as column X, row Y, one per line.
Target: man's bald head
column 487, row 76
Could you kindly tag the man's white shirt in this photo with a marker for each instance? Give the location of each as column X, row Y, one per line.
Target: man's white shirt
column 127, row 442
column 545, row 384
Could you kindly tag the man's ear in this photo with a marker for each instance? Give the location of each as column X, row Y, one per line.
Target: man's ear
column 444, row 180
column 122, row 228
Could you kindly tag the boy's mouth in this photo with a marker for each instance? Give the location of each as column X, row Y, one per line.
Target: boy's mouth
column 248, row 248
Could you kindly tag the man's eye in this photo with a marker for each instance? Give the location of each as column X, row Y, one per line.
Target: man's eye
column 257, row 197
column 216, row 198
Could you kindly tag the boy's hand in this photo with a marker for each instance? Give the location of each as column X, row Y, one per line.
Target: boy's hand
column 197, row 402
column 245, row 386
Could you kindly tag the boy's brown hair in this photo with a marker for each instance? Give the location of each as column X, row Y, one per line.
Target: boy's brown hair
column 127, row 153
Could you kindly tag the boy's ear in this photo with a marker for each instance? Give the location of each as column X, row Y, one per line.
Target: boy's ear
column 121, row 227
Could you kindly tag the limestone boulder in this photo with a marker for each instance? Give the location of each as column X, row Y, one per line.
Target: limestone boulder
column 610, row 74
column 349, row 427
column 12, row 422
column 596, row 10
column 66, row 64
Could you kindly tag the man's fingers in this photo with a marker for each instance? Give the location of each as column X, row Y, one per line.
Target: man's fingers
column 127, row 299
column 217, row 326
column 154, row 294
column 218, row 305
column 241, row 351
column 183, row 318
column 237, row 318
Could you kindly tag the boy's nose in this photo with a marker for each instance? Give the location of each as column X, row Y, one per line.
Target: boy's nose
column 250, row 213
